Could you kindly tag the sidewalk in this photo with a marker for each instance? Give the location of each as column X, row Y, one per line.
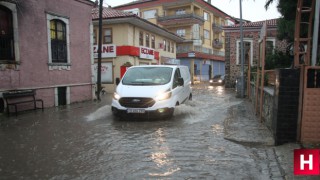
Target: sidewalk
column 243, row 127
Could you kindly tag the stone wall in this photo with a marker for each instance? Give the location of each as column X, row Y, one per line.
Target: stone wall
column 267, row 106
column 233, row 69
column 280, row 105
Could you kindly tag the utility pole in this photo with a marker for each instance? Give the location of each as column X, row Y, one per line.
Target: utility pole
column 315, row 34
column 242, row 52
column 99, row 51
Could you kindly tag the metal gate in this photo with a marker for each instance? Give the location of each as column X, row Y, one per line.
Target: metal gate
column 310, row 121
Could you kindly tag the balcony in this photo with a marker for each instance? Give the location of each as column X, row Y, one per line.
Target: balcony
column 185, row 48
column 216, row 28
column 216, row 43
column 180, row 19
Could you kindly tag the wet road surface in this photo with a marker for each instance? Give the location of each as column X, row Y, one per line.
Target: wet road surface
column 84, row 141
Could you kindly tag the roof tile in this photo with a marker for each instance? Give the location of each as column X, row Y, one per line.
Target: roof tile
column 109, row 13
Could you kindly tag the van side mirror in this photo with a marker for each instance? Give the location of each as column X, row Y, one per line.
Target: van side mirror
column 180, row 81
column 117, row 81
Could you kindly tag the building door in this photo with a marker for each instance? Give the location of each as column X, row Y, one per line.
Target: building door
column 62, row 96
column 1, row 105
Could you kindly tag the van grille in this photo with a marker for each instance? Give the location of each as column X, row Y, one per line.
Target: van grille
column 136, row 102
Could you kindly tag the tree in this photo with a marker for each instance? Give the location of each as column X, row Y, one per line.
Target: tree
column 286, row 24
column 268, row 2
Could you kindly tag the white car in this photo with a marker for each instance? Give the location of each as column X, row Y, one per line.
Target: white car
column 152, row 90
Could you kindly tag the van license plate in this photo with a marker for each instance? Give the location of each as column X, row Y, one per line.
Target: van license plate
column 141, row 111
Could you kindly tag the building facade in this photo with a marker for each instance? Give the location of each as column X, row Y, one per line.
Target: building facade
column 129, row 40
column 198, row 22
column 46, row 47
column 251, row 42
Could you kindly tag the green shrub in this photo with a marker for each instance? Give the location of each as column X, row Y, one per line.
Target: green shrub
column 277, row 60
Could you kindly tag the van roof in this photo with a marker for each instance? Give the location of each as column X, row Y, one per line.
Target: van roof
column 171, row 66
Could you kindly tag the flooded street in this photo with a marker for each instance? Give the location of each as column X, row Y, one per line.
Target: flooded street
column 84, row 141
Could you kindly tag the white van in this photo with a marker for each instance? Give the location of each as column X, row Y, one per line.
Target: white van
column 152, row 90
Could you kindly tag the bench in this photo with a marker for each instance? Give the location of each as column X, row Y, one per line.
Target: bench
column 16, row 97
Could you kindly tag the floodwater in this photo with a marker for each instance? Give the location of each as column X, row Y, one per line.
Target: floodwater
column 84, row 141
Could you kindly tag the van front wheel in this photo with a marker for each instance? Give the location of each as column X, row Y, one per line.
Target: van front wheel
column 170, row 113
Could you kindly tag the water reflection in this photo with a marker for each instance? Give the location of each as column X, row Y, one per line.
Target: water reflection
column 219, row 90
column 160, row 156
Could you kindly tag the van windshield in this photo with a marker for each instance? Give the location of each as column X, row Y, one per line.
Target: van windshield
column 147, row 76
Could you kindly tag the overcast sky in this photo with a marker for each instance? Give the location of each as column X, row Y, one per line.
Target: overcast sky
column 252, row 10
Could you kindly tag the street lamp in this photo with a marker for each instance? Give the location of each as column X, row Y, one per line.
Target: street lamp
column 241, row 53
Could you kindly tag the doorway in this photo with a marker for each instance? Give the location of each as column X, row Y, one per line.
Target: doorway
column 62, row 96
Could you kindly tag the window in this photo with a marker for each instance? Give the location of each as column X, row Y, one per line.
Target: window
column 248, row 53
column 223, row 23
column 180, row 11
column 176, row 77
column 169, row 46
column 147, row 40
column 172, row 47
column 149, row 14
column 7, row 50
column 270, row 45
column 58, row 41
column 107, row 36
column 153, row 42
column 95, row 36
column 141, row 38
column 181, row 32
column 206, row 16
column 206, row 34
column 164, row 45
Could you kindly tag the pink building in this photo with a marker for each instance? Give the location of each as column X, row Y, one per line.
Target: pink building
column 45, row 46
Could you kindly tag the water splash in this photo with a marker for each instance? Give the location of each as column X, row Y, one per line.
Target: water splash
column 100, row 113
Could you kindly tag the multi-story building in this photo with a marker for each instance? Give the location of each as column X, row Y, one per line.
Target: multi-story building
column 46, row 47
column 198, row 22
column 130, row 40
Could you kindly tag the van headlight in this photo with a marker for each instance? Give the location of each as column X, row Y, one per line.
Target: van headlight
column 163, row 96
column 116, row 96
column 220, row 81
column 211, row 81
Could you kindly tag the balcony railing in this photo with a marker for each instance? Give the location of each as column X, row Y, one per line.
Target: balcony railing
column 189, row 48
column 181, row 16
column 216, row 28
column 217, row 44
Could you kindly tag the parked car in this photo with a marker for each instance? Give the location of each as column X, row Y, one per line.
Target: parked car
column 217, row 80
column 151, row 90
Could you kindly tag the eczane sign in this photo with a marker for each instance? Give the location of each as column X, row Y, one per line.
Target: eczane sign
column 146, row 53
column 108, row 51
